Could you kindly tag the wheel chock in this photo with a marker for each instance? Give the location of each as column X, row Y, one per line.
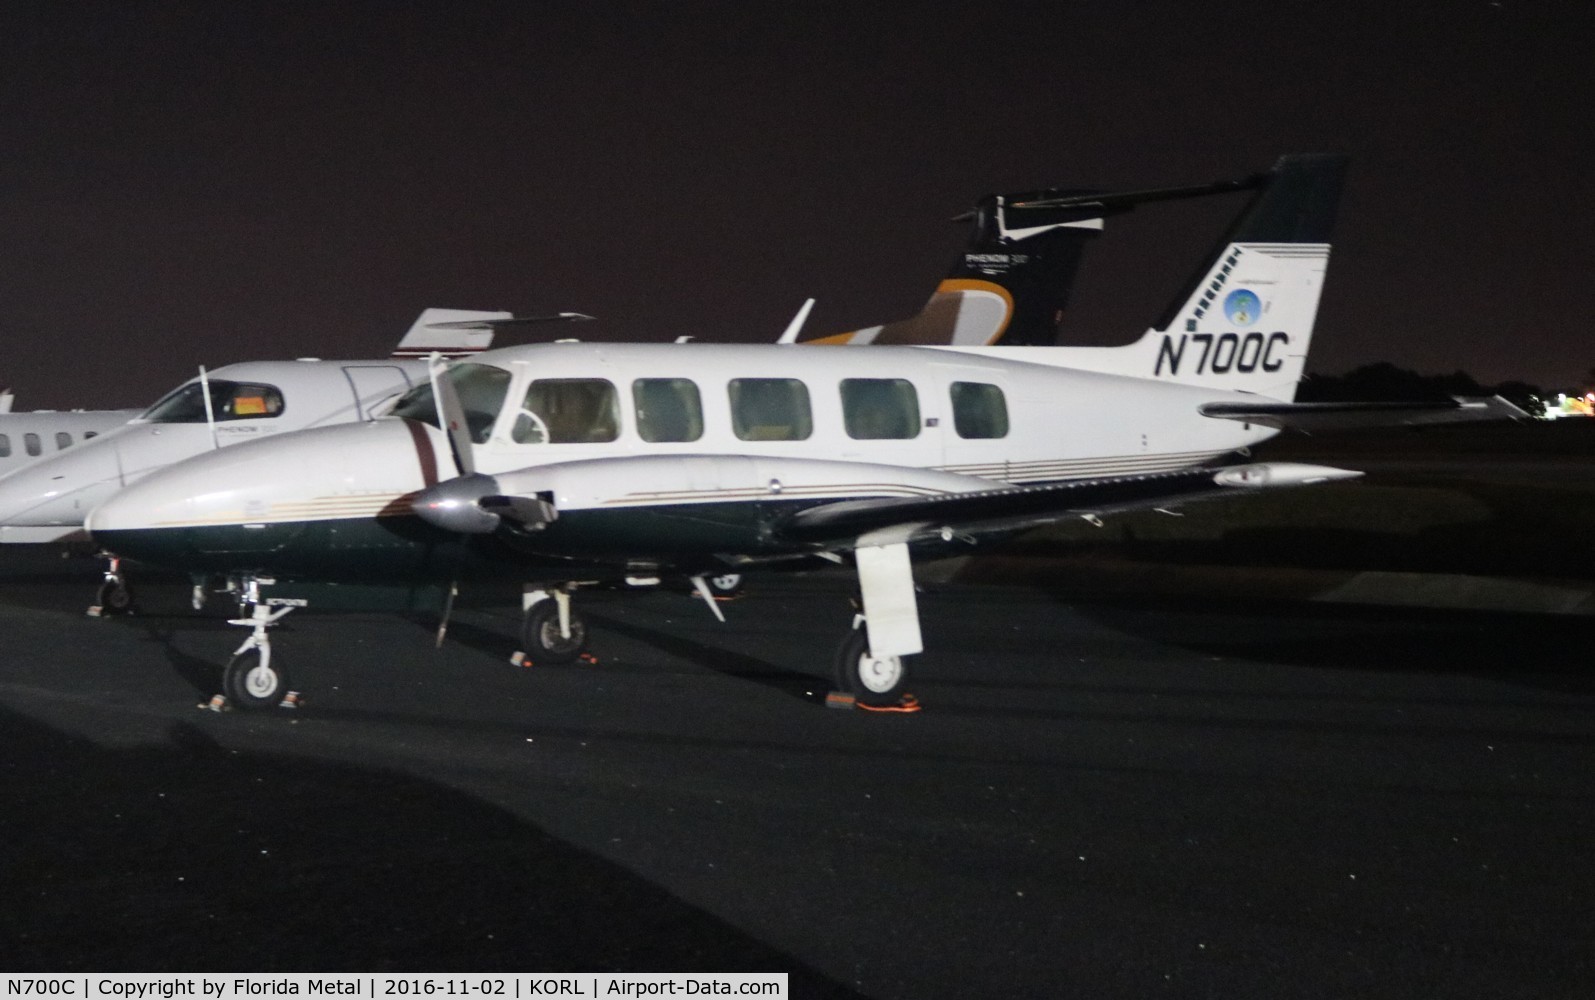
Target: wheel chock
column 293, row 700
column 840, row 699
column 907, row 703
column 217, row 703
column 588, row 659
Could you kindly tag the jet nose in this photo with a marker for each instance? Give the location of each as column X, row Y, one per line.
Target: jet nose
column 57, row 492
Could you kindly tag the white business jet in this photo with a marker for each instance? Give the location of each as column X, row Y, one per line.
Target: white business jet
column 558, row 465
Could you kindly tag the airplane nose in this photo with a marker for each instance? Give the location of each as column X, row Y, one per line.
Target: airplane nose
column 248, row 497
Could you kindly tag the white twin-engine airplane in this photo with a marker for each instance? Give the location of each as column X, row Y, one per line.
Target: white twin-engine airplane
column 566, row 464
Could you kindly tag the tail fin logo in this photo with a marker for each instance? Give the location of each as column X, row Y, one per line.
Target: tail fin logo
column 1243, row 307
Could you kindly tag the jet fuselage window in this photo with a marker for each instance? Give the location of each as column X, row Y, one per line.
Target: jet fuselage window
column 979, row 410
column 481, row 389
column 228, row 401
column 770, row 409
column 668, row 409
column 568, row 411
column 30, row 441
column 880, row 409
column 63, row 440
column 5, row 446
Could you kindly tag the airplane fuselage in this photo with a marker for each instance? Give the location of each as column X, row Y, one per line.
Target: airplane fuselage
column 660, row 455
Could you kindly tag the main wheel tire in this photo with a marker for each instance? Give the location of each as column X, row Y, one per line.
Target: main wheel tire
column 249, row 682
column 870, row 680
column 727, row 584
column 114, row 598
column 541, row 639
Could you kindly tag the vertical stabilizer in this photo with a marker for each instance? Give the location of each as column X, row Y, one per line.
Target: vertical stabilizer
column 1245, row 321
column 1010, row 283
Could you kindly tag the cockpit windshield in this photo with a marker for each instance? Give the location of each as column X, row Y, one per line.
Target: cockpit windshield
column 228, row 401
column 481, row 389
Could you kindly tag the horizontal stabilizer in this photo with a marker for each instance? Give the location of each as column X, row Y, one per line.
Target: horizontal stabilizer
column 503, row 322
column 1309, row 417
column 1008, row 508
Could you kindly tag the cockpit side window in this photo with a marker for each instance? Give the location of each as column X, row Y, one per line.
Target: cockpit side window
column 481, row 389
column 228, row 401
column 5, row 446
column 568, row 411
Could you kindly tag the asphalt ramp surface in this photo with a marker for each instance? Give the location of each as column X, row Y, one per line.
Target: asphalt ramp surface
column 1103, row 798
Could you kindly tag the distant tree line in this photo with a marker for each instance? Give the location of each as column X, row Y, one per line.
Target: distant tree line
column 1383, row 381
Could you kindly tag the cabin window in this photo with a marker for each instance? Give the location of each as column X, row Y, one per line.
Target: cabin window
column 770, row 409
column 668, row 409
column 30, row 441
column 228, row 401
column 568, row 411
column 5, row 446
column 63, row 440
column 90, row 434
column 879, row 409
column 979, row 410
column 481, row 390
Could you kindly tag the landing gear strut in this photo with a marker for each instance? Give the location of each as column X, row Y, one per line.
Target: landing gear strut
column 251, row 678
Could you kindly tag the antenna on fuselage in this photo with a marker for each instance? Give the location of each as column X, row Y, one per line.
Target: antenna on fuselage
column 790, row 335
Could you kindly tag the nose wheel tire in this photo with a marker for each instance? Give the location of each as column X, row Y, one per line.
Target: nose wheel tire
column 869, row 679
column 541, row 638
column 251, row 682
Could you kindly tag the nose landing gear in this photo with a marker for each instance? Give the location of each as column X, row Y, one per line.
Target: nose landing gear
column 251, row 678
column 114, row 597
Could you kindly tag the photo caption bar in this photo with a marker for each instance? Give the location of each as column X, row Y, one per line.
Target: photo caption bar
column 519, row 986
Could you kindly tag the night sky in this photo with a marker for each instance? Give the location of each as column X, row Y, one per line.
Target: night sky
column 185, row 184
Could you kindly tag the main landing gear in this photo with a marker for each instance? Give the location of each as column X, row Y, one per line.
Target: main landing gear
column 872, row 680
column 552, row 633
column 872, row 664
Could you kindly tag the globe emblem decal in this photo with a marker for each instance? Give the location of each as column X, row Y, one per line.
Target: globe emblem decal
column 1243, row 307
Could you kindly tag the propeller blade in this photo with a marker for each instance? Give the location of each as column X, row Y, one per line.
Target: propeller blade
column 451, row 415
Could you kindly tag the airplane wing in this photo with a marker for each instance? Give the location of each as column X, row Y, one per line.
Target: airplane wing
column 1309, row 417
column 849, row 522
